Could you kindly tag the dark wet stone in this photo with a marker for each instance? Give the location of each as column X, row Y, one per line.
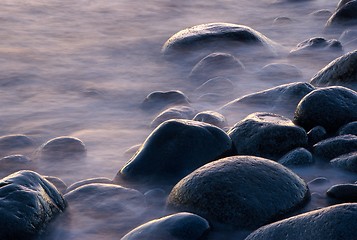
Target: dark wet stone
column 179, row 226
column 200, row 40
column 63, row 148
column 156, row 197
column 174, row 149
column 316, row 46
column 297, row 157
column 282, row 99
column 218, row 85
column 344, row 16
column 15, row 142
column 266, row 135
column 347, row 161
column 88, row 181
column 28, row 203
column 343, row 192
column 242, row 191
column 330, row 107
column 58, row 183
column 178, row 112
column 211, row 117
column 335, row 222
column 336, row 146
column 315, row 135
column 216, row 65
column 349, row 128
column 341, row 3
column 279, row 72
column 158, row 100
column 341, row 71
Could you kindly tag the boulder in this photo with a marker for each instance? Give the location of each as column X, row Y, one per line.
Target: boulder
column 344, row 16
column 179, row 226
column 347, row 161
column 159, row 100
column 341, row 3
column 349, row 128
column 28, row 203
column 297, row 157
column 336, row 146
column 211, row 117
column 315, row 135
column 343, row 192
column 266, row 135
column 88, row 181
column 63, row 148
column 58, row 183
column 178, row 112
column 174, row 149
column 245, row 192
column 279, row 72
column 330, row 107
column 217, row 85
column 335, row 222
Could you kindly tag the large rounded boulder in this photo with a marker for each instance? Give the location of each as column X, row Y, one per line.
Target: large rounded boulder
column 344, row 16
column 266, row 135
column 335, row 222
column 174, row 149
column 241, row 191
column 330, row 107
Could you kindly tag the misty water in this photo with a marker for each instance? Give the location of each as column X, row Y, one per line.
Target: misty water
column 82, row 68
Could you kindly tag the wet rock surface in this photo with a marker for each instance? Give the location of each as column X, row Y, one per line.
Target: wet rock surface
column 297, row 157
column 315, row 135
column 346, row 161
column 62, row 148
column 178, row 112
column 349, row 128
column 336, row 146
column 211, row 117
column 343, row 192
column 344, row 16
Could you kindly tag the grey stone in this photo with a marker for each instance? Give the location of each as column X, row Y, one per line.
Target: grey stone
column 266, row 135
column 349, row 128
column 335, row 222
column 241, row 191
column 343, row 192
column 330, row 107
column 297, row 157
column 159, row 100
column 211, row 117
column 336, row 146
column 218, row 85
column 28, row 203
column 174, row 149
column 321, row 14
column 279, row 72
column 178, row 112
column 179, row 226
column 316, row 47
column 315, row 135
column 63, row 148
column 347, row 161
column 344, row 16
column 88, row 181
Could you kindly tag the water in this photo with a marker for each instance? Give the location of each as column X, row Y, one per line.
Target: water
column 81, row 68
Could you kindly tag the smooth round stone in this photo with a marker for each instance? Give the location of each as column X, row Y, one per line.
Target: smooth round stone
column 349, row 128
column 330, row 107
column 343, row 192
column 334, row 147
column 279, row 72
column 178, row 112
column 266, row 135
column 28, row 203
column 156, row 197
column 316, row 134
column 335, row 222
column 282, row 20
column 341, row 72
column 179, row 226
column 211, row 117
column 216, row 65
column 321, row 14
column 297, row 157
column 15, row 142
column 162, row 99
column 174, row 149
column 241, row 191
column 218, row 85
column 314, row 46
column 203, row 39
column 344, row 16
column 58, row 183
column 347, row 161
column 63, row 148
column 281, row 99
column 88, row 181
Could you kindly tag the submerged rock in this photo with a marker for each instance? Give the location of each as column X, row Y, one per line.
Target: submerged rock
column 28, row 203
column 347, row 161
column 58, row 183
column 335, row 222
column 13, row 163
column 330, row 107
column 178, row 112
column 266, row 135
column 344, row 16
column 314, row 47
column 343, row 192
column 336, row 146
column 179, row 226
column 88, row 181
column 279, row 72
column 63, row 148
column 211, row 117
column 158, row 100
column 217, row 85
column 174, row 149
column 242, row 191
column 297, row 157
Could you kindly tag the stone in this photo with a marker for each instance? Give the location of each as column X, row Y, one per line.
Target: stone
column 335, row 222
column 218, row 85
column 174, row 149
column 179, row 226
column 88, row 181
column 343, row 17
column 58, row 183
column 245, row 192
column 348, row 36
column 314, row 47
column 28, row 203
column 155, row 197
column 282, row 20
column 282, row 99
column 347, row 161
column 63, row 148
column 343, row 192
column 336, row 146
column 163, row 99
column 340, row 72
column 211, row 117
column 349, row 128
column 297, row 157
column 330, row 107
column 279, row 72
column 318, row 181
column 315, row 135
column 13, row 163
column 341, row 3
column 178, row 112
column 216, row 65
column 195, row 42
column 321, row 14
column 266, row 135
column 16, row 144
